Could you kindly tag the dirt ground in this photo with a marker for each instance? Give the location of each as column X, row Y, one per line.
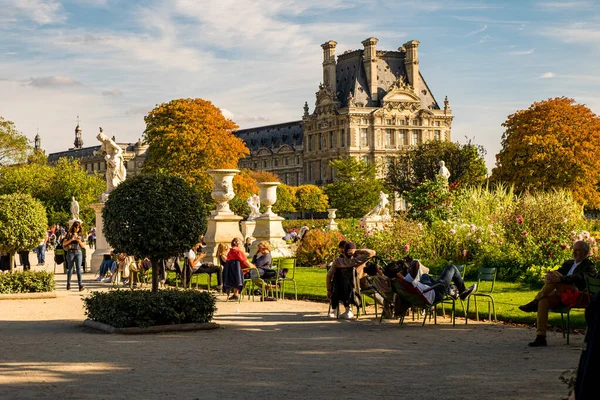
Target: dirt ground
column 271, row 350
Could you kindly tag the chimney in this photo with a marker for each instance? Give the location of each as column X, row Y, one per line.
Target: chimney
column 329, row 79
column 370, row 64
column 412, row 62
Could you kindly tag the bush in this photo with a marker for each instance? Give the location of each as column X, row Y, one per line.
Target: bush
column 299, row 223
column 26, row 282
column 142, row 308
column 318, row 248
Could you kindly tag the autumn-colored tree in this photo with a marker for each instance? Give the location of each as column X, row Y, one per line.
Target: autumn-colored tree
column 356, row 188
column 186, row 137
column 310, row 198
column 553, row 144
column 244, row 185
column 421, row 163
column 13, row 144
column 286, row 196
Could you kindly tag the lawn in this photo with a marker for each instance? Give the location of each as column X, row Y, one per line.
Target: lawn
column 507, row 295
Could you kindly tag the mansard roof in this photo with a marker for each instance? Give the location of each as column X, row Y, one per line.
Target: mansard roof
column 86, row 152
column 351, row 78
column 272, row 136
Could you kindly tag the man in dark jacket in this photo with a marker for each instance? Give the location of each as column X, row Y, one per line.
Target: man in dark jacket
column 570, row 276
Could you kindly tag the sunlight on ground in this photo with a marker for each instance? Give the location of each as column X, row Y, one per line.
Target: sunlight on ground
column 14, row 373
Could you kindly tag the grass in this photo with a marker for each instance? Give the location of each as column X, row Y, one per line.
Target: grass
column 508, row 296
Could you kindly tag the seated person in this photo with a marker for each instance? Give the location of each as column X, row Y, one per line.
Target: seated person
column 346, row 292
column 570, row 276
column 107, row 262
column 233, row 279
column 196, row 267
column 222, row 251
column 426, row 284
column 262, row 259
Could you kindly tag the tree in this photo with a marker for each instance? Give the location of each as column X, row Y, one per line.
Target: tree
column 54, row 186
column 430, row 201
column 245, row 185
column 356, row 189
column 13, row 144
column 23, row 223
column 285, row 199
column 186, row 137
column 421, row 163
column 310, row 198
column 155, row 216
column 553, row 144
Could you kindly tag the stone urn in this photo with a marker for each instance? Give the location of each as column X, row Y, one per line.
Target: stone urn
column 268, row 196
column 331, row 213
column 222, row 191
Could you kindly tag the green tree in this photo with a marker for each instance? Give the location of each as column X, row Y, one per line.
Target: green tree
column 417, row 164
column 23, row 223
column 310, row 198
column 285, row 199
column 356, row 188
column 186, row 137
column 13, row 144
column 430, row 201
column 54, row 186
column 554, row 144
column 155, row 216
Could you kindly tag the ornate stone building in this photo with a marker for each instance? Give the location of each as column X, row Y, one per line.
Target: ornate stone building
column 371, row 104
column 134, row 154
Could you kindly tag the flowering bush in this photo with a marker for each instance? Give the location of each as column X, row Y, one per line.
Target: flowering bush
column 318, row 248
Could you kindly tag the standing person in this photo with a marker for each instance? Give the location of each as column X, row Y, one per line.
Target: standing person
column 570, row 276
column 41, row 250
column 73, row 243
column 24, row 259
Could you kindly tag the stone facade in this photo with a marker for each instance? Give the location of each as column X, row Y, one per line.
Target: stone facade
column 370, row 105
column 134, row 154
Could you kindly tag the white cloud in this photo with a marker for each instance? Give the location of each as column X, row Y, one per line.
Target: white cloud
column 562, row 6
column 548, row 75
column 476, row 31
column 112, row 93
column 485, row 39
column 52, row 82
column 42, row 12
column 573, row 33
column 520, row 52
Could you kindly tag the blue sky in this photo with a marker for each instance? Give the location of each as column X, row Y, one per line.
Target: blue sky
column 110, row 61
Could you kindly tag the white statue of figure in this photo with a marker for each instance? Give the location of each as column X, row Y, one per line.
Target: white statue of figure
column 115, row 163
column 380, row 211
column 74, row 208
column 254, row 204
column 444, row 173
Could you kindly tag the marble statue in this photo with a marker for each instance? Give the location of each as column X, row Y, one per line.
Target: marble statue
column 115, row 163
column 74, row 208
column 254, row 204
column 381, row 210
column 443, row 172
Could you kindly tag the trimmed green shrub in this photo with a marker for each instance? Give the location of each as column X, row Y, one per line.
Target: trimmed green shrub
column 26, row 282
column 142, row 308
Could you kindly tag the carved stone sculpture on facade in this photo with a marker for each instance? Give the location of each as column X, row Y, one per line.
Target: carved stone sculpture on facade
column 254, row 204
column 381, row 211
column 115, row 163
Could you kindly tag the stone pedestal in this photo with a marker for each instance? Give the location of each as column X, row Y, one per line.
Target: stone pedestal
column 248, row 228
column 102, row 246
column 223, row 224
column 268, row 225
column 373, row 223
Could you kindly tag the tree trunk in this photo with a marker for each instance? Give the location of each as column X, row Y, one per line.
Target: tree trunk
column 154, row 274
column 11, row 267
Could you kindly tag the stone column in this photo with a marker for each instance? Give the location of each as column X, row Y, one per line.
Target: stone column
column 223, row 224
column 268, row 225
column 102, row 246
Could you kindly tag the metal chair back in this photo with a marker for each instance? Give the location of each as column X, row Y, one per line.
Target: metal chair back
column 486, row 275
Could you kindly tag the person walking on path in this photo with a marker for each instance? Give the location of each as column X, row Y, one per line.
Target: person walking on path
column 41, row 250
column 73, row 244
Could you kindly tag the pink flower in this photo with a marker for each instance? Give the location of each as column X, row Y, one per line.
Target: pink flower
column 592, row 240
column 524, row 233
column 406, row 247
column 519, row 220
column 473, row 227
column 452, row 231
column 565, row 220
column 478, row 240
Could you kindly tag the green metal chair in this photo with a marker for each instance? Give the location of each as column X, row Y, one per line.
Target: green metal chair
column 290, row 265
column 592, row 285
column 483, row 275
column 251, row 284
column 451, row 301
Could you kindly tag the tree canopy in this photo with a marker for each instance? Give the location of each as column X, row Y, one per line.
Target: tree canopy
column 421, row 163
column 310, row 198
column 14, row 146
column 356, row 188
column 54, row 186
column 553, row 144
column 155, row 216
column 186, row 137
column 23, row 223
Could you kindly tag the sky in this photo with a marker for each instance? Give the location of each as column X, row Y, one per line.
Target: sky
column 110, row 62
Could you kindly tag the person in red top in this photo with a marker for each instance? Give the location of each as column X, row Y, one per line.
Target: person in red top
column 233, row 278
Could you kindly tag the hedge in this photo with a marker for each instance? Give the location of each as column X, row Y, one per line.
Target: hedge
column 26, row 282
column 142, row 308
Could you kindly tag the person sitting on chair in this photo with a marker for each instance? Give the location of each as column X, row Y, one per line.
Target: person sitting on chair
column 346, row 290
column 431, row 290
column 234, row 279
column 196, row 267
column 570, row 276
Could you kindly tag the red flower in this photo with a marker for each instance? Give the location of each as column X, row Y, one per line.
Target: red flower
column 519, row 220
